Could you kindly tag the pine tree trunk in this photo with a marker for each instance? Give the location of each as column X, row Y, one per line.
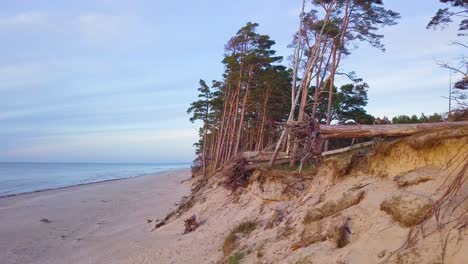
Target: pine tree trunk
column 205, row 128
column 219, row 142
column 244, row 106
column 262, row 124
column 330, row 92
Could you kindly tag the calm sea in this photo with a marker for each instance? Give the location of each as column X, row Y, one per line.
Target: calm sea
column 23, row 177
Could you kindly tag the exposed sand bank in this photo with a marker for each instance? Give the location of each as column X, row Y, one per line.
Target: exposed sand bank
column 356, row 208
column 96, row 223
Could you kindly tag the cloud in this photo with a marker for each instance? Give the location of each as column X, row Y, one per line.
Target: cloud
column 414, row 77
column 95, row 27
column 21, row 75
column 33, row 18
column 92, row 27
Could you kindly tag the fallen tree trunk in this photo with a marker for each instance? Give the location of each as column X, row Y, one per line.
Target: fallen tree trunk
column 342, row 150
column 264, row 164
column 260, row 156
column 390, row 130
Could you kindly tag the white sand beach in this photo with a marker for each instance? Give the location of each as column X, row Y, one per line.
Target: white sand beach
column 96, row 223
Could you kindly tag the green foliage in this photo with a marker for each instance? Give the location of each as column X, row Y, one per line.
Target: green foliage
column 248, row 47
column 444, row 16
column 250, row 73
column 351, row 101
column 365, row 20
column 200, row 109
column 348, row 104
column 404, row 119
column 236, row 258
column 229, row 243
column 244, row 228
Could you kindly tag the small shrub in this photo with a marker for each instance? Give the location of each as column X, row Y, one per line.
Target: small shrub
column 236, row 258
column 342, row 235
column 332, row 207
column 191, row 224
column 260, row 253
column 407, row 210
column 244, row 228
column 305, row 260
column 229, row 243
column 308, row 218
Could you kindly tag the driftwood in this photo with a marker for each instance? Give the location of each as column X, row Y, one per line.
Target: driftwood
column 158, row 225
column 191, row 224
column 394, row 130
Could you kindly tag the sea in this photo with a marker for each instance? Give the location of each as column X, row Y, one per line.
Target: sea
column 24, row 177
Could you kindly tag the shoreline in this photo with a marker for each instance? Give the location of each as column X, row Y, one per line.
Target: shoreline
column 102, row 222
column 91, row 183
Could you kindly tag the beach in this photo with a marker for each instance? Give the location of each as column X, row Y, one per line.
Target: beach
column 95, row 223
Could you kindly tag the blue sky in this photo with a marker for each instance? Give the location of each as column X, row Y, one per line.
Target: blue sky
column 110, row 80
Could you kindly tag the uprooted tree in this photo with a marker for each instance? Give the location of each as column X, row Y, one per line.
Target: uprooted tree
column 247, row 110
column 327, row 34
column 262, row 107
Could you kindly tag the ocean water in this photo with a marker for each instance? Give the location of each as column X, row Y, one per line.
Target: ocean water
column 23, row 177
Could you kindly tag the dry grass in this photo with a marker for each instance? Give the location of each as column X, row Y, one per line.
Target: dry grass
column 244, row 228
column 308, row 218
column 284, row 232
column 260, row 252
column 337, row 230
column 426, row 140
column 341, row 235
column 332, row 207
column 235, row 258
column 408, row 212
column 229, row 243
column 304, row 260
column 276, row 219
column 405, row 183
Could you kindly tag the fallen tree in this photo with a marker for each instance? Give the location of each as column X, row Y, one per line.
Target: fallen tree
column 314, row 134
column 342, row 150
column 390, row 130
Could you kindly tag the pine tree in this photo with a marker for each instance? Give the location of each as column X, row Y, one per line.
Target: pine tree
column 202, row 110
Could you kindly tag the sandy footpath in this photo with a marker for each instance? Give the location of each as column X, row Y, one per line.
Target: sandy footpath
column 95, row 223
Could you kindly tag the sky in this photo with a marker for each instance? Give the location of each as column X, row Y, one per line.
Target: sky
column 111, row 80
